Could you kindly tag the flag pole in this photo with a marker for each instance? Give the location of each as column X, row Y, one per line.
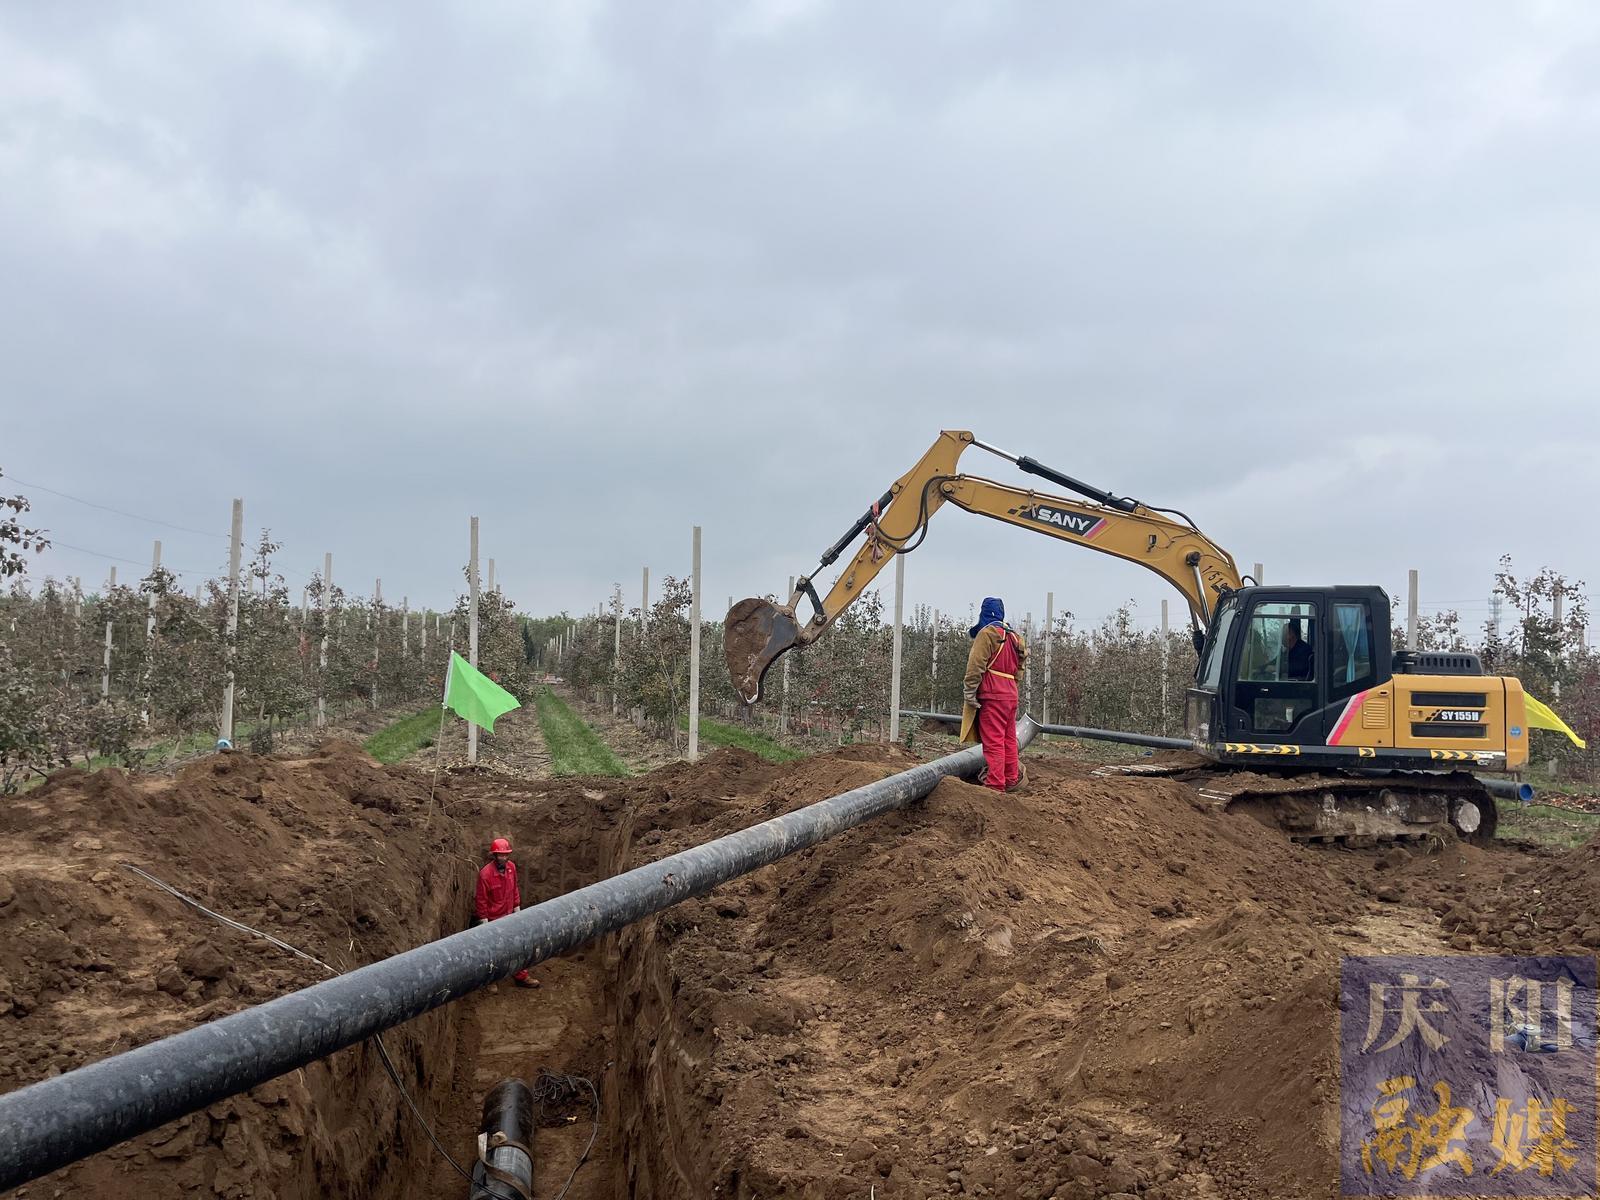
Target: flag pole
column 438, row 740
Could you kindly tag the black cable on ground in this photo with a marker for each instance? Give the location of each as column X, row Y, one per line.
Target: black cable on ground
column 559, row 1089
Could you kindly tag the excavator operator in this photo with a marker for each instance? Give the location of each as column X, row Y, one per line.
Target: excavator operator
column 990, row 694
column 1296, row 653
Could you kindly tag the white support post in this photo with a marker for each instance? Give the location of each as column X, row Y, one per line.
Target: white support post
column 644, row 603
column 1256, row 573
column 405, row 628
column 491, row 577
column 105, row 665
column 150, row 608
column 783, row 704
column 305, row 606
column 1027, row 665
column 472, row 634
column 235, row 549
column 1557, row 614
column 1166, row 686
column 899, row 638
column 616, row 650
column 422, row 626
column 150, row 635
column 933, row 669
column 694, row 652
column 1049, row 641
column 1411, row 610
column 377, row 635
column 325, row 603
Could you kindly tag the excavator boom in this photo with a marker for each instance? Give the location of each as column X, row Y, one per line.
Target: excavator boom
column 759, row 631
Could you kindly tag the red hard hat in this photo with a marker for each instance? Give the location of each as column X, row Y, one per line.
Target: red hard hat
column 500, row 846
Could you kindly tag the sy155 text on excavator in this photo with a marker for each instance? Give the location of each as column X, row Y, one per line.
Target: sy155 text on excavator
column 1302, row 709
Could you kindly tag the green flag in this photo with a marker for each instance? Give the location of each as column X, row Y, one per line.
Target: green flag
column 473, row 696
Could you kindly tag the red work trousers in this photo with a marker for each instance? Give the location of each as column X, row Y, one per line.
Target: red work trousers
column 997, row 729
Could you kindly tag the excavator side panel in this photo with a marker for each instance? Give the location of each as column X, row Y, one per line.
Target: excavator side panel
column 1456, row 717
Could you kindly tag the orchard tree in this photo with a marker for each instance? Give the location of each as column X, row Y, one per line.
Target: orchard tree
column 16, row 539
column 654, row 671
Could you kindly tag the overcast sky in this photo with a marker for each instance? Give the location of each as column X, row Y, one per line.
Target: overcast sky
column 1326, row 276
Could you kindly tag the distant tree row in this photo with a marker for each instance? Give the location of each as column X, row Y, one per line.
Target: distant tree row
column 61, row 703
column 1108, row 675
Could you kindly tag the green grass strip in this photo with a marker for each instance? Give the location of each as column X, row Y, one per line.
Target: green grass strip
column 575, row 748
column 1549, row 826
column 405, row 737
column 745, row 738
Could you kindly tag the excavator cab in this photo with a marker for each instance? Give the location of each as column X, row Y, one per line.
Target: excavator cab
column 1313, row 673
column 1279, row 665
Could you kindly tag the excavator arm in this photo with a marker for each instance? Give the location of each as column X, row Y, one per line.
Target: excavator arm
column 758, row 631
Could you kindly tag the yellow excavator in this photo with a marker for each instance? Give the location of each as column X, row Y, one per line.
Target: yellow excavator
column 1302, row 710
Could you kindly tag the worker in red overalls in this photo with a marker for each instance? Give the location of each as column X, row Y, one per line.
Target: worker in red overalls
column 499, row 895
column 990, row 693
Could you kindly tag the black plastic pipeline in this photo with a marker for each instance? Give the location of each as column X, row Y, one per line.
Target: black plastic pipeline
column 504, row 1170
column 1077, row 731
column 57, row 1121
column 1116, row 735
column 1508, row 789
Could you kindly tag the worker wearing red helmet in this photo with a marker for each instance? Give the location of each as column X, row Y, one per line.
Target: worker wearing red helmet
column 498, row 894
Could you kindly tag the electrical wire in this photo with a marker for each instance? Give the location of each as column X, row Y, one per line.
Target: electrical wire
column 56, row 544
column 563, row 1089
column 39, row 487
column 383, row 1051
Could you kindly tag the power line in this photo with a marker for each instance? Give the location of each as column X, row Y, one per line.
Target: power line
column 117, row 557
column 119, row 512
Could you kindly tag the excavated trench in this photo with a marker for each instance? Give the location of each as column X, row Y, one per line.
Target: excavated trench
column 1093, row 987
column 349, row 861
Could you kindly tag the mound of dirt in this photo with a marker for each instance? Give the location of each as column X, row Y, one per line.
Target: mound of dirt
column 1095, row 987
column 1551, row 902
column 1089, row 988
column 332, row 853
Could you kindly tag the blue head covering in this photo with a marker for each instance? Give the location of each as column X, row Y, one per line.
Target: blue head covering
column 993, row 612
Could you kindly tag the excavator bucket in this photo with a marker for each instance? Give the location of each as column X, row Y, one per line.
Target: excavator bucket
column 755, row 633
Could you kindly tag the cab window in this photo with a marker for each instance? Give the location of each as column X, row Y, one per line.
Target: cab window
column 1280, row 645
column 1276, row 688
column 1350, row 649
column 1211, row 672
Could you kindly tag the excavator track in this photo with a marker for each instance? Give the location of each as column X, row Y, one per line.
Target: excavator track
column 1336, row 808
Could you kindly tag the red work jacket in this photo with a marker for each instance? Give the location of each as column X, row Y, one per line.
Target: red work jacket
column 498, row 894
column 999, row 680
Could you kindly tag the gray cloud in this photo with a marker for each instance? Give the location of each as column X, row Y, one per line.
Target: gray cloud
column 1322, row 275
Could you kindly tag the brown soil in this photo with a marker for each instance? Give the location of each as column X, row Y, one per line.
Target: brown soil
column 516, row 747
column 332, row 853
column 1093, row 987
